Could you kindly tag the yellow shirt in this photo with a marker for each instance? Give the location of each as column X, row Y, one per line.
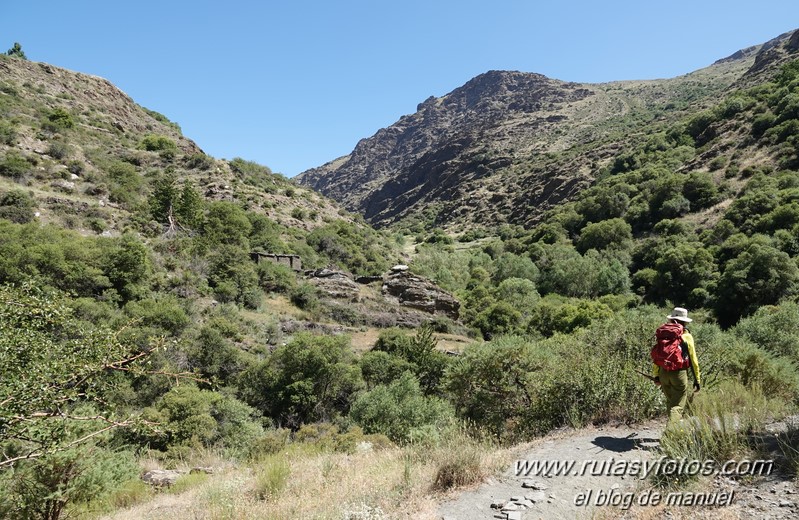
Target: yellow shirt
column 689, row 341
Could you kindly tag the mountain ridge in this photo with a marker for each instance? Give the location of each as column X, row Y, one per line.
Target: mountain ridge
column 490, row 142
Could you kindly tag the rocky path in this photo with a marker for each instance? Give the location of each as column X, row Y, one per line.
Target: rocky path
column 565, row 476
column 601, row 473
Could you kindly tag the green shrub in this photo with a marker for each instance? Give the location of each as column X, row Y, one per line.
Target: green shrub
column 164, row 314
column 58, row 150
column 274, row 277
column 419, row 350
column 17, row 206
column 774, row 329
column 397, row 409
column 554, row 315
column 8, row 133
column 60, row 119
column 199, row 161
column 255, row 174
column 305, row 296
column 273, row 441
column 491, row 384
column 356, row 248
column 312, row 378
column 381, row 368
column 197, row 418
column 125, row 182
column 214, row 356
column 157, row 143
column 232, row 275
column 47, row 487
column 226, row 223
column 14, row 166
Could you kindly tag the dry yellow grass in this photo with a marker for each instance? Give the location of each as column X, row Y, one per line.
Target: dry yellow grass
column 395, row 483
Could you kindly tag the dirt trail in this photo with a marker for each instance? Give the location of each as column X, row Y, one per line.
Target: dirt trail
column 608, row 462
column 610, row 465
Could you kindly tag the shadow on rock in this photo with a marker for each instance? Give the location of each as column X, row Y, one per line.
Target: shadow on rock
column 624, row 444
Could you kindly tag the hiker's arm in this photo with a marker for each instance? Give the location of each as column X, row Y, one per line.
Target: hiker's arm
column 656, row 373
column 689, row 340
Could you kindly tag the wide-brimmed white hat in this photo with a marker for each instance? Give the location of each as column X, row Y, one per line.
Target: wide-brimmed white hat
column 680, row 314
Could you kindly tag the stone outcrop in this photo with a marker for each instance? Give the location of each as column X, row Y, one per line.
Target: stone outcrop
column 420, row 293
column 161, row 477
column 334, row 284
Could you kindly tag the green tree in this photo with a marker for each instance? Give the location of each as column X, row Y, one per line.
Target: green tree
column 226, row 223
column 232, row 275
column 686, row 273
column 761, row 275
column 612, row 233
column 510, row 265
column 419, row 350
column 492, row 383
column 16, row 51
column 193, row 417
column 519, row 292
column 128, row 266
column 51, row 362
column 312, row 378
column 500, row 318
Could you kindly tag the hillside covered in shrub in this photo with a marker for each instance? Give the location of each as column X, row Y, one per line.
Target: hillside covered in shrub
column 136, row 330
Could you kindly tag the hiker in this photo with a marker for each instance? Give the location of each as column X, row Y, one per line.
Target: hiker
column 672, row 355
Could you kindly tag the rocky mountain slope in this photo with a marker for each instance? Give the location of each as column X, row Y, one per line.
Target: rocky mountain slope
column 87, row 152
column 506, row 146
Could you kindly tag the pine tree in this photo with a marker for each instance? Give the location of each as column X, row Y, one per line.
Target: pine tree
column 17, row 52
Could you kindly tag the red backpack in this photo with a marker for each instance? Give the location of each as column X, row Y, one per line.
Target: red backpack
column 667, row 352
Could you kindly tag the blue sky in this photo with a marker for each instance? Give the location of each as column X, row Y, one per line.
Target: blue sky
column 295, row 84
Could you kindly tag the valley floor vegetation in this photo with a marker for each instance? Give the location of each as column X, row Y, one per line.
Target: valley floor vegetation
column 159, row 347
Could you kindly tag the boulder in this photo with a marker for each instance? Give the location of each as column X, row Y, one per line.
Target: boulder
column 161, row 477
column 420, row 293
column 335, row 284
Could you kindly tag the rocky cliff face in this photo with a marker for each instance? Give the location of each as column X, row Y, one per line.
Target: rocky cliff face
column 506, row 146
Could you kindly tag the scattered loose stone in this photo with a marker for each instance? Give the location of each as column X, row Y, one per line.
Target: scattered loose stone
column 514, row 515
column 532, row 484
column 785, row 503
column 498, row 505
column 536, row 497
column 161, row 477
column 510, row 507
